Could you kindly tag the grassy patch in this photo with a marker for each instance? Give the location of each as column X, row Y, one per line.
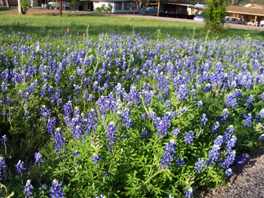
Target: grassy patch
column 94, row 25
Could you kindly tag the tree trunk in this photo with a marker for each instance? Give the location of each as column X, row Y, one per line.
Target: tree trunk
column 7, row 3
column 19, row 6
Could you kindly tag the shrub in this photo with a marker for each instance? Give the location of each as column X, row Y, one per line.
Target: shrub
column 215, row 14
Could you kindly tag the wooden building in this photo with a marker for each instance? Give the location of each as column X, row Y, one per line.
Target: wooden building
column 249, row 12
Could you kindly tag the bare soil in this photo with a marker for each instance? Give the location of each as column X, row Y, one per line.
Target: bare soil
column 248, row 182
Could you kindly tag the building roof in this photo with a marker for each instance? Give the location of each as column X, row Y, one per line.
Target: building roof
column 245, row 10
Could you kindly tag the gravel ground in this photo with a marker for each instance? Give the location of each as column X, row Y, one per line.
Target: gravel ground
column 247, row 183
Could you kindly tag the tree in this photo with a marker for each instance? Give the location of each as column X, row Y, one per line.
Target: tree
column 215, row 14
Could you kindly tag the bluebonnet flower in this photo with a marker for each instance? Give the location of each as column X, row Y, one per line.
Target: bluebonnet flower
column 228, row 133
column 134, row 96
column 225, row 115
column 4, row 139
column 163, row 84
column 250, row 101
column 242, row 159
column 56, row 190
column 207, row 88
column 247, row 122
column 76, row 153
column 204, row 119
column 215, row 126
column 2, row 168
column 51, row 124
column 106, row 103
column 145, row 134
column 91, row 122
column 229, row 160
column 262, row 96
column 231, row 143
column 4, row 86
column 199, row 165
column 228, row 172
column 180, row 162
column 261, row 113
column 162, row 124
column 28, row 189
column 111, row 133
column 125, row 115
column 20, row 167
column 176, row 131
column 67, row 108
column 188, row 192
column 214, row 154
column 147, row 94
column 95, row 158
column 231, row 101
column 183, row 92
column 169, row 153
column 77, row 131
column 59, row 139
column 188, row 137
column 219, row 140
column 44, row 111
column 38, row 158
column 200, row 103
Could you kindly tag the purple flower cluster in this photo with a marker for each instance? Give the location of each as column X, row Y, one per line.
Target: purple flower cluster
column 3, row 168
column 28, row 189
column 169, row 154
column 56, row 190
column 111, row 133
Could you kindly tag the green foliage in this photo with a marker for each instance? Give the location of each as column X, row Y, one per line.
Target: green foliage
column 24, row 6
column 4, row 192
column 215, row 14
column 104, row 9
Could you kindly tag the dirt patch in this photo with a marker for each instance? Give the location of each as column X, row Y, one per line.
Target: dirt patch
column 247, row 183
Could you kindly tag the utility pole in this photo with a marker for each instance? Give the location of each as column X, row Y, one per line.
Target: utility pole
column 158, row 10
column 19, row 6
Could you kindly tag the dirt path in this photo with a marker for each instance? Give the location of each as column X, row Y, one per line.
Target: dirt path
column 249, row 183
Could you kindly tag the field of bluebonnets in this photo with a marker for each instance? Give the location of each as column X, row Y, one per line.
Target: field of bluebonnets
column 126, row 116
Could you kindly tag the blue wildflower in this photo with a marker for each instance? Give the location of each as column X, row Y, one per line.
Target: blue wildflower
column 199, row 165
column 67, row 109
column 204, row 119
column 228, row 172
column 247, row 122
column 56, row 190
column 229, row 160
column 38, row 158
column 214, row 154
column 261, row 113
column 59, row 139
column 188, row 192
column 215, row 126
column 176, row 131
column 20, row 167
column 77, row 132
column 28, row 189
column 169, row 153
column 2, row 168
column 188, row 137
column 111, row 133
column 95, row 158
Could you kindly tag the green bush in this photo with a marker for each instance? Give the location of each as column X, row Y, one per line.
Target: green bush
column 24, row 6
column 215, row 14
